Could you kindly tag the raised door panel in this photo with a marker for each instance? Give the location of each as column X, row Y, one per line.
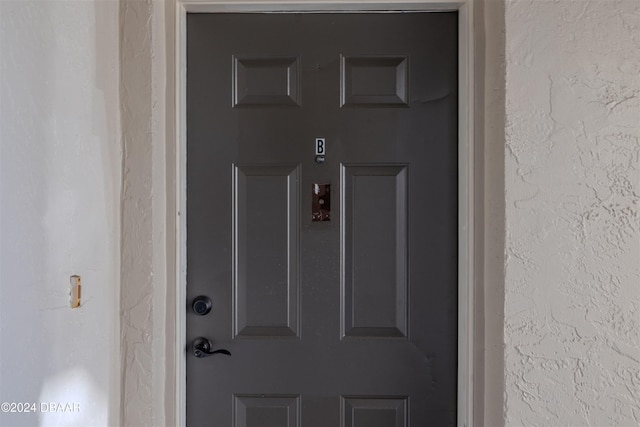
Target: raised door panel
column 266, row 250
column 266, row 410
column 265, row 80
column 374, row 250
column 374, row 81
column 374, row 411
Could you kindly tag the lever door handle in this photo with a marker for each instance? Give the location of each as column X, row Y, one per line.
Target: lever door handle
column 202, row 348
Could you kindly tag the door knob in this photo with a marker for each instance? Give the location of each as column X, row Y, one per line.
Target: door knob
column 201, row 305
column 202, row 348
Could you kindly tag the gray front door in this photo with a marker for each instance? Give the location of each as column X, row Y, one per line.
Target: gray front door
column 332, row 275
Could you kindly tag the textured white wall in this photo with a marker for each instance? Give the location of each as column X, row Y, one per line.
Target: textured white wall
column 60, row 175
column 146, row 358
column 572, row 290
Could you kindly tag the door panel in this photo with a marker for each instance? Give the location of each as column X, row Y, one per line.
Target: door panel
column 265, row 248
column 374, row 80
column 266, row 411
column 350, row 321
column 375, row 242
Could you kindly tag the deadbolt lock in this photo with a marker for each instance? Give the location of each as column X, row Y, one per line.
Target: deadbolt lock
column 201, row 305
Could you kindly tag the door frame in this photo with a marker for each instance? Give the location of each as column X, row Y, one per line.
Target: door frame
column 470, row 199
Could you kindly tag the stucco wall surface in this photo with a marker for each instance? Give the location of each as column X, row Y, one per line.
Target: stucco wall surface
column 572, row 289
column 143, row 299
column 60, row 177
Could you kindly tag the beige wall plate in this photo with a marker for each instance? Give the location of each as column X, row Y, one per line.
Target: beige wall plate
column 75, row 293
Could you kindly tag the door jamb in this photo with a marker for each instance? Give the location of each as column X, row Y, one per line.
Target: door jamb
column 469, row 203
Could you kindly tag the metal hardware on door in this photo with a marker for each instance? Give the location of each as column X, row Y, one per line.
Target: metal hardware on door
column 202, row 305
column 202, row 348
column 320, row 202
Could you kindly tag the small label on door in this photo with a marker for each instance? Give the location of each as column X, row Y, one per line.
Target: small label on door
column 321, row 147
